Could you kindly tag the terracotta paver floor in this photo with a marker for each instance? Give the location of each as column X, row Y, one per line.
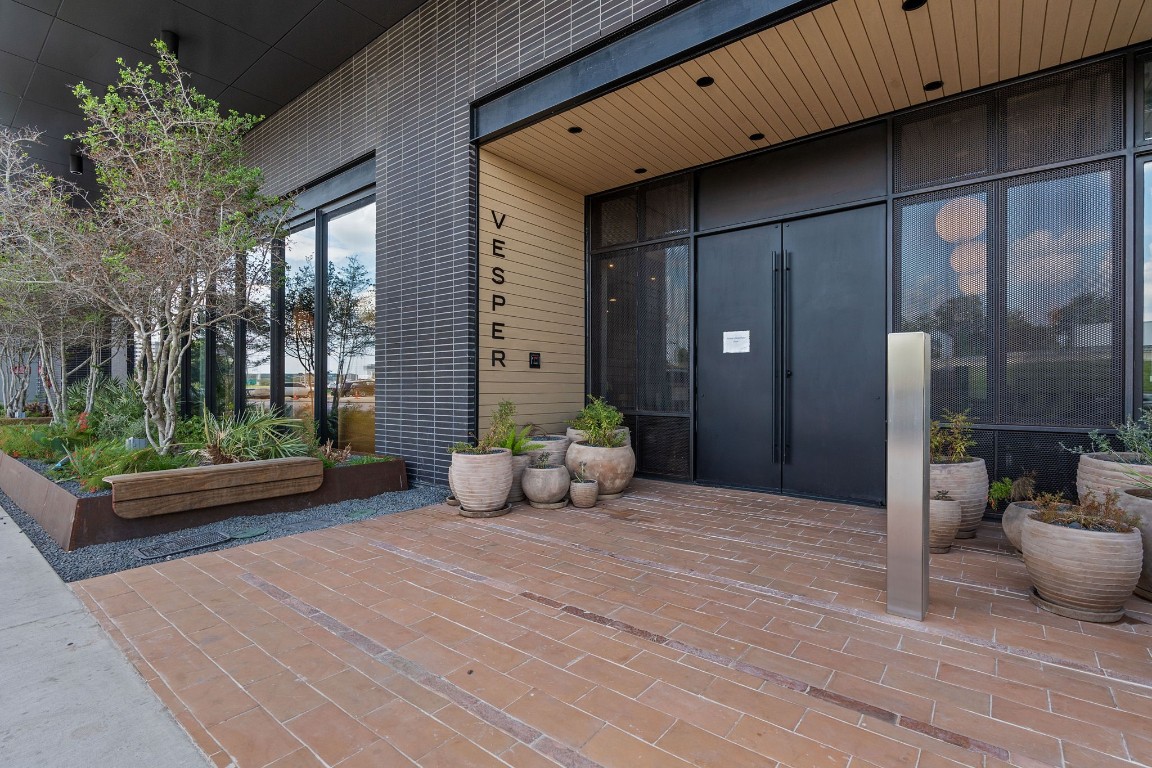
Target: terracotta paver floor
column 676, row 626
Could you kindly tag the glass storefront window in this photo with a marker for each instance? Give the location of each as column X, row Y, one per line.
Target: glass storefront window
column 351, row 328
column 300, row 323
column 1146, row 262
column 1146, row 96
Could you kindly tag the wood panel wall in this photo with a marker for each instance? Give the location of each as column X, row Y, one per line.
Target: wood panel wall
column 531, row 238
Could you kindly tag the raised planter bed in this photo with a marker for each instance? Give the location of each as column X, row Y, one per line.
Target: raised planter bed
column 74, row 522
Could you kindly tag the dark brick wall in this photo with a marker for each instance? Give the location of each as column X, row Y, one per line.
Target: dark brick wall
column 406, row 97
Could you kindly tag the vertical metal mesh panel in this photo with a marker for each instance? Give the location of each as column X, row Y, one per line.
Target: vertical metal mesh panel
column 667, row 208
column 1061, row 342
column 662, row 446
column 613, row 327
column 943, row 144
column 941, row 288
column 1039, row 453
column 1145, row 105
column 614, row 220
column 1078, row 113
column 664, row 327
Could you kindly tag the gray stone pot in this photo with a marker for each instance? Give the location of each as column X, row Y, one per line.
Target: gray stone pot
column 943, row 522
column 611, row 467
column 1099, row 473
column 481, row 481
column 1139, row 502
column 546, row 488
column 967, row 483
column 583, row 494
column 1013, row 520
column 553, row 445
column 1084, row 575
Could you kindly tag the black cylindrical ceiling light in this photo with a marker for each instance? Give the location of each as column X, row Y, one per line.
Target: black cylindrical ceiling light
column 912, row 5
column 172, row 41
column 76, row 163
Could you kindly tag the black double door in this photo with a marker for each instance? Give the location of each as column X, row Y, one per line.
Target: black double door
column 790, row 356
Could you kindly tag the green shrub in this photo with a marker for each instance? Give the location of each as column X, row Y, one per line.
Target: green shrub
column 365, row 459
column 600, row 422
column 255, row 435
column 117, row 409
column 19, row 442
column 90, row 464
column 951, row 441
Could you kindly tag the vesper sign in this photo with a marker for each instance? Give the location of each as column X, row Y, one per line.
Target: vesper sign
column 498, row 299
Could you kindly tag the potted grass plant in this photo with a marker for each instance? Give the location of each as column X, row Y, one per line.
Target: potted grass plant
column 521, row 446
column 953, row 469
column 480, row 474
column 1084, row 559
column 604, row 454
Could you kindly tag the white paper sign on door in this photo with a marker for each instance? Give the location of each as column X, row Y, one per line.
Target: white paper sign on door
column 737, row 341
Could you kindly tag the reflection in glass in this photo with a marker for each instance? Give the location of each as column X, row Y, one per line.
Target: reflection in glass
column 351, row 328
column 1147, row 123
column 943, row 292
column 258, row 346
column 299, row 322
column 614, row 328
column 1059, row 319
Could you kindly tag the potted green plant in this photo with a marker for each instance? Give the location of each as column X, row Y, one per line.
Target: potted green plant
column 521, row 446
column 596, row 412
column 583, row 490
column 1084, row 559
column 545, row 482
column 480, row 474
column 943, row 522
column 953, row 469
column 604, row 454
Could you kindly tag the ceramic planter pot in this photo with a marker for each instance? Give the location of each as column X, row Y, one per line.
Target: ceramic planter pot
column 1099, row 473
column 1013, row 520
column 611, row 467
column 1084, row 575
column 1139, row 503
column 519, row 464
column 943, row 522
column 583, row 494
column 546, row 488
column 553, row 445
column 967, row 483
column 481, row 481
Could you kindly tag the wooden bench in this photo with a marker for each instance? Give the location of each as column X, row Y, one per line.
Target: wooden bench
column 144, row 494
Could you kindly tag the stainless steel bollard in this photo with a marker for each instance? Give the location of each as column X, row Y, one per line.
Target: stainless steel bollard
column 909, row 392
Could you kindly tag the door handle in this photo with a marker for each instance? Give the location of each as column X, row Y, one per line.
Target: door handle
column 786, row 359
column 777, row 378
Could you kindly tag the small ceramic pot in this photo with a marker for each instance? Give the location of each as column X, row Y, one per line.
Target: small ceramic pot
column 583, row 494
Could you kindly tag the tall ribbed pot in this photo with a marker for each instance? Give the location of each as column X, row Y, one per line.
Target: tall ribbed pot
column 943, row 522
column 519, row 464
column 481, row 481
column 1084, row 575
column 967, row 483
column 1139, row 503
column 553, row 445
column 1099, row 473
column 611, row 467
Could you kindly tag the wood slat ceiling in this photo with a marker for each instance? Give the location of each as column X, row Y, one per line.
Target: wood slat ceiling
column 846, row 61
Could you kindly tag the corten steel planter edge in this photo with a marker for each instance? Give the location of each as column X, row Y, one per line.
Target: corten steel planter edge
column 74, row 522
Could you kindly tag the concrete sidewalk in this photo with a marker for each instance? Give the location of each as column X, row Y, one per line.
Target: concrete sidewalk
column 70, row 698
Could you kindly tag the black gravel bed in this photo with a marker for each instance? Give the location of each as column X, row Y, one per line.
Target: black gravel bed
column 72, row 486
column 101, row 559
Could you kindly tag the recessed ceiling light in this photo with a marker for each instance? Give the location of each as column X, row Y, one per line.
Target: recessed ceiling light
column 935, row 85
column 705, row 81
column 756, row 137
column 611, row 265
column 641, row 170
column 911, row 5
column 575, row 129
